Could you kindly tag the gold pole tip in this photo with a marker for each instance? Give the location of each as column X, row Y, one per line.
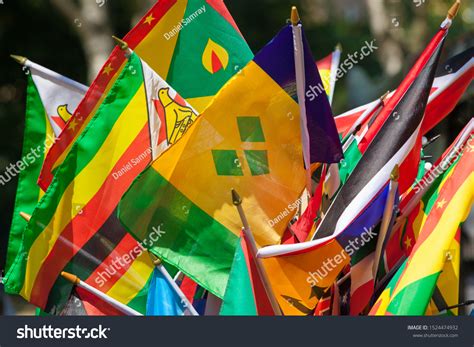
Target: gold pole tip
column 453, row 11
column 70, row 277
column 25, row 216
column 339, row 47
column 121, row 43
column 236, row 199
column 295, row 17
column 395, row 173
column 156, row 261
column 19, row 59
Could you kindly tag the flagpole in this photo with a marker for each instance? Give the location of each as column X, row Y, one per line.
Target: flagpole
column 41, row 70
column 335, row 61
column 386, row 219
column 111, row 301
column 122, row 45
column 300, row 88
column 237, row 201
column 366, row 114
column 160, row 267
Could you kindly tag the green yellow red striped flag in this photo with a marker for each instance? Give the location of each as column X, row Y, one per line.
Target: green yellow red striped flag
column 195, row 45
column 50, row 99
column 448, row 204
column 74, row 227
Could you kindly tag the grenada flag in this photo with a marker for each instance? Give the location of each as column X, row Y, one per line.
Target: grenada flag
column 194, row 45
column 50, row 100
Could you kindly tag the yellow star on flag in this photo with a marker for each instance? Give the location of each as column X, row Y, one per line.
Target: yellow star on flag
column 73, row 124
column 149, row 19
column 408, row 242
column 440, row 204
column 108, row 69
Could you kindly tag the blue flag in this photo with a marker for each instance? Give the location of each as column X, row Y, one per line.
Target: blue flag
column 162, row 299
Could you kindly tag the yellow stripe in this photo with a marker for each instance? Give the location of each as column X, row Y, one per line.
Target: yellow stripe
column 87, row 183
column 49, row 134
column 430, row 258
column 63, row 155
column 384, row 300
column 155, row 49
column 133, row 281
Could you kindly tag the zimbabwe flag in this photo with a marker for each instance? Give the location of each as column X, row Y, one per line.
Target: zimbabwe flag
column 74, row 227
column 449, row 204
column 195, row 45
column 50, row 98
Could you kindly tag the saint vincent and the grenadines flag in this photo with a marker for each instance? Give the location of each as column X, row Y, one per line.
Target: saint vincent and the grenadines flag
column 74, row 227
column 450, row 201
column 253, row 145
column 50, row 100
column 194, row 45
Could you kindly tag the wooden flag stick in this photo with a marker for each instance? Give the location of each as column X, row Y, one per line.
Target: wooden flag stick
column 237, row 201
column 121, row 43
column 386, row 219
column 300, row 89
column 172, row 283
column 111, row 301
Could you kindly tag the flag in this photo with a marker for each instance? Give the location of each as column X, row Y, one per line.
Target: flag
column 449, row 204
column 254, row 146
column 84, row 303
column 328, row 71
column 194, row 45
column 50, row 98
column 245, row 294
column 452, row 79
column 162, row 299
column 394, row 138
column 196, row 294
column 301, row 273
column 74, row 227
column 412, row 206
